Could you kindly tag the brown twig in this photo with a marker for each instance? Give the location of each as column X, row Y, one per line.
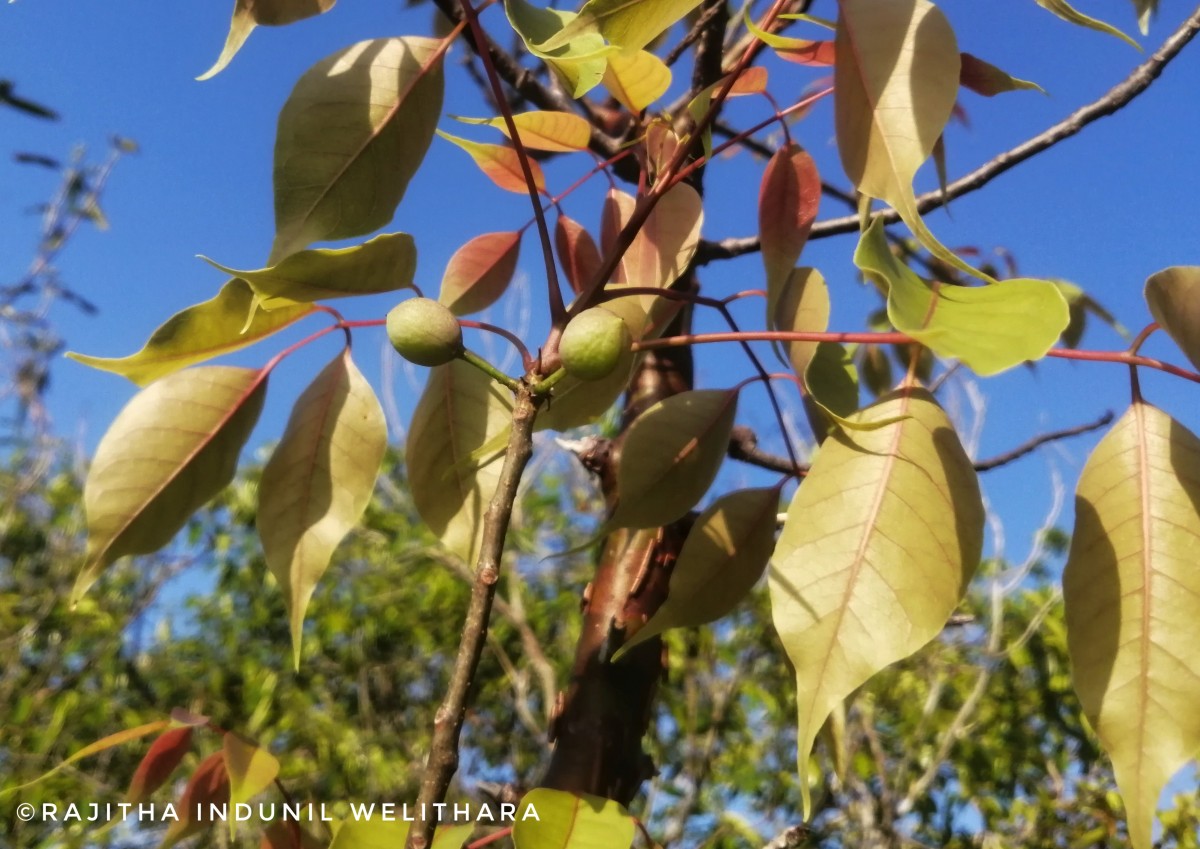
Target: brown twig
column 1040, row 440
column 1116, row 98
column 448, row 722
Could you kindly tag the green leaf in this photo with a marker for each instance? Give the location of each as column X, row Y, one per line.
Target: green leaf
column 567, row 821
column 452, row 836
column 579, row 63
column 670, row 456
column 480, row 271
column 636, row 79
column 800, row 304
column 990, row 328
column 788, row 199
column 460, row 410
column 247, row 14
column 251, row 768
column 226, row 323
column 1173, row 296
column 985, row 78
column 172, row 448
column 561, row 132
column 383, row 264
column 1072, row 15
column 725, row 554
column 1132, row 596
column 629, row 24
column 831, row 379
column 318, row 481
column 351, row 135
column 500, row 164
column 880, row 542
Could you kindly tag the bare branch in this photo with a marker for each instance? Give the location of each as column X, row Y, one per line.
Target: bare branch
column 448, row 722
column 1037, row 441
column 1116, row 98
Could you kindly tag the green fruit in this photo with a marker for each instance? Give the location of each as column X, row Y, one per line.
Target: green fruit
column 593, row 344
column 424, row 332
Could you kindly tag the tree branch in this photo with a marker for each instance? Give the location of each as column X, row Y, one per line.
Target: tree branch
column 1037, row 441
column 1116, row 98
column 448, row 722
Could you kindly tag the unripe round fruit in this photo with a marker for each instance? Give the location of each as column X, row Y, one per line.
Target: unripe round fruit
column 593, row 343
column 424, row 332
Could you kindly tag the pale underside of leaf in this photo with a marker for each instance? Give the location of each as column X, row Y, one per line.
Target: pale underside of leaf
column 1132, row 595
column 666, row 243
column 351, row 135
column 461, row 410
column 880, row 542
column 217, row 326
column 670, row 456
column 247, row 14
column 319, row 480
column 383, row 264
column 1173, row 296
column 725, row 554
column 173, row 447
column 800, row 305
column 577, row 252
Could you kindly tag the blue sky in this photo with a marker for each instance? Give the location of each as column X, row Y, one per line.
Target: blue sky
column 1103, row 210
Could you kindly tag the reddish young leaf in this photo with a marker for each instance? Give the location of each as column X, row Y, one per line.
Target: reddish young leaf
column 787, row 206
column 501, row 164
column 819, row 53
column 480, row 271
column 160, row 761
column 985, row 78
column 179, row 716
column 209, row 785
column 577, row 252
column 753, row 80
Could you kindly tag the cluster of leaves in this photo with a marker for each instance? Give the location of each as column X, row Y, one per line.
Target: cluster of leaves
column 885, row 533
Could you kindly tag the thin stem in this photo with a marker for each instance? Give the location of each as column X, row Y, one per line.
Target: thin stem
column 557, row 310
column 526, row 359
column 490, row 370
column 448, row 722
